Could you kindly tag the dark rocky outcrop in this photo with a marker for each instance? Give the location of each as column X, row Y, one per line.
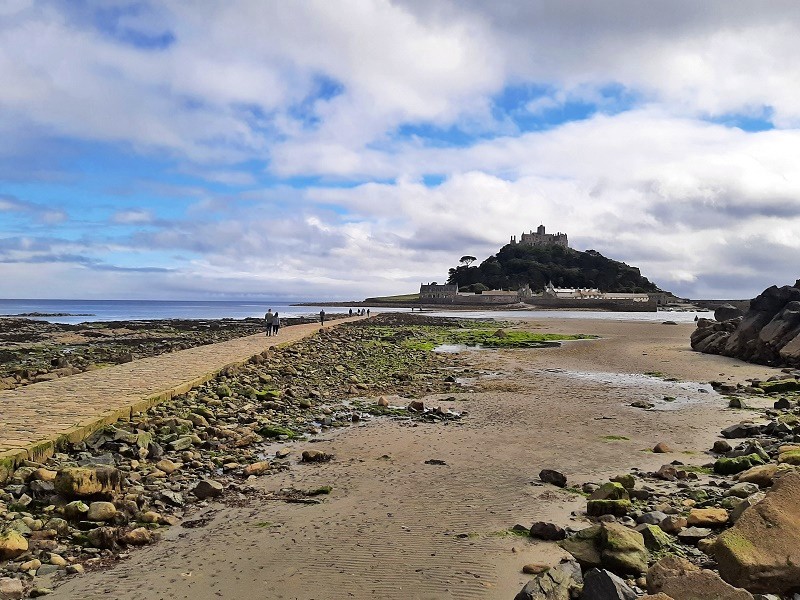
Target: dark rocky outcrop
column 769, row 333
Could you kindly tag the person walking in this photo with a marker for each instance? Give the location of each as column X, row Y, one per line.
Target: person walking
column 367, row 313
column 276, row 324
column 268, row 319
column 351, row 312
column 322, row 317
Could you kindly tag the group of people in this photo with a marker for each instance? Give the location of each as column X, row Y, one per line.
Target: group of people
column 273, row 322
column 361, row 312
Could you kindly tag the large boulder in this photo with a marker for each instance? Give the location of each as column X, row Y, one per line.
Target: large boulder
column 678, row 578
column 761, row 552
column 12, row 545
column 726, row 312
column 85, row 482
column 768, row 333
column 609, row 545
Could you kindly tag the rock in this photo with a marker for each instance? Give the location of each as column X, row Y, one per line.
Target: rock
column 678, row 578
column 737, row 402
column 84, row 482
column 12, row 545
column 141, row 536
column 667, row 473
column 642, row 404
column 708, row 517
column 43, row 474
column 726, row 312
column 57, row 560
column 673, row 524
column 167, row 466
column 651, row 518
column 182, row 443
column 76, row 510
column 38, row 592
column 382, row 401
column 654, row 537
column 101, row 511
column 792, row 457
column 661, row 448
column 534, row 568
column 547, row 531
column 105, row 538
column 767, row 333
column 30, row 565
column 731, row 466
column 256, row 468
column 584, row 546
column 561, row 582
column 622, row 549
column 172, row 498
column 740, row 430
column 721, row 447
column 627, row 481
column 208, row 488
column 556, row 478
column 611, row 490
column 743, row 489
column 599, row 584
column 761, row 475
column 692, row 535
column 617, row 508
column 761, row 552
column 315, row 456
column 416, row 406
column 76, row 569
column 745, row 504
column 11, row 588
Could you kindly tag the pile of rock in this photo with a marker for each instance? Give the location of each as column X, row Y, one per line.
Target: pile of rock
column 769, row 333
column 117, row 488
column 729, row 529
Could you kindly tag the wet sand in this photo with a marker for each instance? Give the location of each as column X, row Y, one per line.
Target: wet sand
column 396, row 527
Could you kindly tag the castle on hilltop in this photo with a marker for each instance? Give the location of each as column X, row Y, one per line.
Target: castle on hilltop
column 540, row 238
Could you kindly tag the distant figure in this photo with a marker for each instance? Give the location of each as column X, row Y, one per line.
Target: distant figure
column 276, row 324
column 322, row 317
column 367, row 312
column 351, row 312
column 268, row 319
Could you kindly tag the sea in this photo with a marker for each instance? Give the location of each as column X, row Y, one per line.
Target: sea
column 80, row 311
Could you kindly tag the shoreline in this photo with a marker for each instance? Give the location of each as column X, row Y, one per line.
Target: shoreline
column 515, row 422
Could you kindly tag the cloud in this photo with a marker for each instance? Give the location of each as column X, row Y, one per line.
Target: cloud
column 37, row 212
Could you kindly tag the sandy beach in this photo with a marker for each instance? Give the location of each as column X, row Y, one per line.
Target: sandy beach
column 396, row 527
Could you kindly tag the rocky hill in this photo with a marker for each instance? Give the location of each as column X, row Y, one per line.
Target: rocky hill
column 768, row 333
column 516, row 265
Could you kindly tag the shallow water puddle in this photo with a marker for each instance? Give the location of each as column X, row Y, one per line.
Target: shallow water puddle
column 455, row 348
column 666, row 395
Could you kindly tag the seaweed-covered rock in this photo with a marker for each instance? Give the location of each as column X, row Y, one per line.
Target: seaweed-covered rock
column 678, row 578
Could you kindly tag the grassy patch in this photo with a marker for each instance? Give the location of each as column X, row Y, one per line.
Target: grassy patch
column 509, row 533
column 576, row 490
column 324, row 489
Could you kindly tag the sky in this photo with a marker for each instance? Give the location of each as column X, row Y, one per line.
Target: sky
column 244, row 149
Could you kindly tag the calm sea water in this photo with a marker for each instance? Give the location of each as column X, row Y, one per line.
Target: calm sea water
column 118, row 310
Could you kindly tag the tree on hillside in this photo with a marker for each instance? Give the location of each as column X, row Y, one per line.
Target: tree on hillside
column 467, row 260
column 516, row 265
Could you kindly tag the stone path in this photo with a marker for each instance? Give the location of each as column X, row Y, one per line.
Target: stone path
column 35, row 418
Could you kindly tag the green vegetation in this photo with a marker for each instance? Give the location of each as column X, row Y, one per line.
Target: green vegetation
column 398, row 298
column 614, row 438
column 516, row 265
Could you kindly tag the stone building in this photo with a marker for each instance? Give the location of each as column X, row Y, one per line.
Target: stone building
column 434, row 291
column 540, row 238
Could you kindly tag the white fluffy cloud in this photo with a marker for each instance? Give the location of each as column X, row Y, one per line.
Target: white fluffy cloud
column 378, row 95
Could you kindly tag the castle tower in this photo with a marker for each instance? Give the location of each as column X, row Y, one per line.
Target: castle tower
column 540, row 230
